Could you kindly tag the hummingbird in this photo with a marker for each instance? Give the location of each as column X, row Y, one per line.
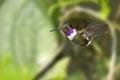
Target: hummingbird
column 82, row 37
column 79, row 34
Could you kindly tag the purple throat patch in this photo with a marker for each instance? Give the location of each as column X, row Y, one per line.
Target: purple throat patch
column 68, row 32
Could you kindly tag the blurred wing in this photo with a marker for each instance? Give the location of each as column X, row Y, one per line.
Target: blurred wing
column 83, row 24
column 79, row 23
column 96, row 30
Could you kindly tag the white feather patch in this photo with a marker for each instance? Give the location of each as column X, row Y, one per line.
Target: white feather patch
column 71, row 37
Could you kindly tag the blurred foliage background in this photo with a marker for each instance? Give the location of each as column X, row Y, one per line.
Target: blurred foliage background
column 27, row 46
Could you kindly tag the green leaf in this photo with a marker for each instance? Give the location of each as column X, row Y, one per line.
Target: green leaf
column 105, row 10
column 58, row 71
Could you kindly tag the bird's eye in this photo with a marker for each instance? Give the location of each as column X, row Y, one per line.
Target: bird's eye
column 68, row 26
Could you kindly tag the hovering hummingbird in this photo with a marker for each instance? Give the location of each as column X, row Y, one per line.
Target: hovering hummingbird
column 82, row 36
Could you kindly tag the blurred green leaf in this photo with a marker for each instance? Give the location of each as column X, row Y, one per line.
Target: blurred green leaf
column 25, row 33
column 105, row 10
column 63, row 3
column 58, row 71
column 1, row 2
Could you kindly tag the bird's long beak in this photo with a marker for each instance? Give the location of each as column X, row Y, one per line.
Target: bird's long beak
column 55, row 29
